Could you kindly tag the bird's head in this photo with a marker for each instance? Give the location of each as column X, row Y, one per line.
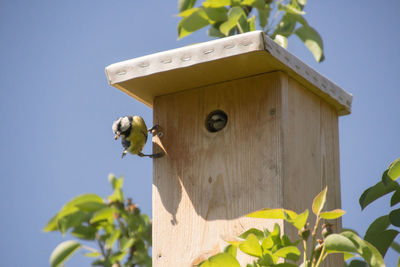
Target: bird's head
column 122, row 126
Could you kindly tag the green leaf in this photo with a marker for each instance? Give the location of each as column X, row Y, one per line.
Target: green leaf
column 217, row 3
column 258, row 233
column 117, row 183
column 70, row 208
column 252, row 23
column 348, row 256
column 395, row 198
column 185, row 4
column 378, row 226
column 302, row 2
column 267, row 260
column 336, row 243
column 365, row 250
column 111, row 240
column 294, row 9
column 104, row 214
column 234, row 14
column 117, row 196
column 394, row 170
column 219, row 260
column 394, row 217
column 378, row 236
column 251, row 246
column 214, row 32
column 385, row 178
column 333, row 214
column 298, row 18
column 263, row 16
column 118, row 256
column 286, row 241
column 91, row 206
column 101, row 262
column 276, row 234
column 188, row 12
column 72, row 220
column 395, row 246
column 84, row 232
column 267, row 243
column 62, row 252
column 231, row 250
column 319, row 202
column 312, row 41
column 254, row 3
column 377, row 191
column 290, row 252
column 382, row 243
column 298, row 221
column 243, row 25
column 216, row 14
column 195, row 21
column 125, row 243
column 358, row 263
column 272, row 214
column 93, row 254
column 52, row 224
column 285, row 27
column 83, row 199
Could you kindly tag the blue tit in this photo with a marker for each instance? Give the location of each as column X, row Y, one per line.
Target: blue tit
column 133, row 133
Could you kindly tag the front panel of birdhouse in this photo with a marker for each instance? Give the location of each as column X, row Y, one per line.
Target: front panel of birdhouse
column 278, row 149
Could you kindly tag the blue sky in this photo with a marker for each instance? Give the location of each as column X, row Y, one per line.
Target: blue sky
column 56, row 107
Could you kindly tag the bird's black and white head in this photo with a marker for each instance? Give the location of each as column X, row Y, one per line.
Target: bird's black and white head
column 122, row 126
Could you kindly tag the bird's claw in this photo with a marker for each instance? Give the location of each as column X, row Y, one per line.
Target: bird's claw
column 157, row 155
column 156, row 130
column 153, row 156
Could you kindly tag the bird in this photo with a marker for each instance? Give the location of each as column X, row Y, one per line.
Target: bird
column 133, row 133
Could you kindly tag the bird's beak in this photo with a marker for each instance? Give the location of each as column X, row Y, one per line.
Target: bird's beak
column 117, row 135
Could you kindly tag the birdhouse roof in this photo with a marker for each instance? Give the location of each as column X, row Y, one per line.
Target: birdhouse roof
column 216, row 61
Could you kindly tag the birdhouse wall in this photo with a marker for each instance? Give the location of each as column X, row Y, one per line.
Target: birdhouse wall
column 279, row 149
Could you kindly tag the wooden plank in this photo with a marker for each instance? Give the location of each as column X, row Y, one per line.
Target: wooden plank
column 208, row 181
column 310, row 152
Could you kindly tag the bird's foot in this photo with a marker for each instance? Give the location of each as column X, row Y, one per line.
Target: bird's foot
column 123, row 154
column 156, row 130
column 153, row 156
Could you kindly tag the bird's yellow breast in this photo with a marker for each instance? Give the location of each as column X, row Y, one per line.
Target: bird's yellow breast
column 137, row 136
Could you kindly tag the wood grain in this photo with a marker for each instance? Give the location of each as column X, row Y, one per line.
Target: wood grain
column 311, row 153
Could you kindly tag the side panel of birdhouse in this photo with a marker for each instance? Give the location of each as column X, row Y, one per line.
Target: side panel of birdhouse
column 310, row 153
column 207, row 181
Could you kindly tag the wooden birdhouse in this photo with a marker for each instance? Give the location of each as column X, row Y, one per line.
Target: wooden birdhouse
column 246, row 125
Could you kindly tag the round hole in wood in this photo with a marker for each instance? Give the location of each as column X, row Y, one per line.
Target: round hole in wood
column 216, row 121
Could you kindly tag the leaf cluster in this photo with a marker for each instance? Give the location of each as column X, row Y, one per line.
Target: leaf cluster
column 121, row 233
column 271, row 248
column 378, row 233
column 279, row 19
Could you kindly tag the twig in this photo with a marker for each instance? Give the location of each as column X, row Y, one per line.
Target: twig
column 314, row 236
column 305, row 253
column 101, row 246
column 320, row 257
